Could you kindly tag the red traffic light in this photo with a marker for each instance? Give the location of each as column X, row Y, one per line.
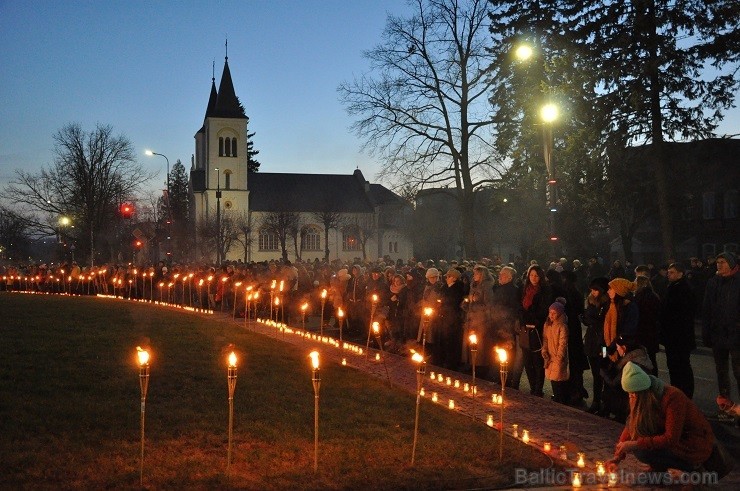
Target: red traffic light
column 127, row 210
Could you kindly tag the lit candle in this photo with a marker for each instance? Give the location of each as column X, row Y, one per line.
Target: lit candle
column 576, row 479
column 451, row 404
column 563, row 453
column 466, row 387
column 515, row 430
column 525, row 436
column 434, row 397
column 600, row 470
column 457, row 384
column 449, row 380
column 421, row 392
column 432, row 375
column 344, row 361
column 377, row 356
column 546, row 446
column 613, row 479
column 489, row 420
column 581, row 460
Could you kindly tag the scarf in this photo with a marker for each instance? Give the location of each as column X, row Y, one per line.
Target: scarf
column 529, row 292
column 610, row 324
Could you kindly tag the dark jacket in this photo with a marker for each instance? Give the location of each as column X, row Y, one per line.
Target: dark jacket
column 677, row 316
column 721, row 312
column 535, row 315
column 648, row 329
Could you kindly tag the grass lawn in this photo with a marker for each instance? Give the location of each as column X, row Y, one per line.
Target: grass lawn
column 70, row 409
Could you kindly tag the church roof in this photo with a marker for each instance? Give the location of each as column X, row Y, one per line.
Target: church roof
column 212, row 99
column 310, row 192
column 227, row 103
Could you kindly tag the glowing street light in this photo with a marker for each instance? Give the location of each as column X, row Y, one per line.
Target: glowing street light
column 316, row 380
column 143, row 358
column 231, row 378
column 523, row 52
column 504, row 371
column 549, row 113
column 420, row 370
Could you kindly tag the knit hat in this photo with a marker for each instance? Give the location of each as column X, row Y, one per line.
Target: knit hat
column 432, row 272
column 558, row 307
column 599, row 283
column 729, row 257
column 634, row 378
column 621, row 286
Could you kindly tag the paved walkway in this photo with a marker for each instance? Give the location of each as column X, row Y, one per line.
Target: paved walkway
column 565, row 428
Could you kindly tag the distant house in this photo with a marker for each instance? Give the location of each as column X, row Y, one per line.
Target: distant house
column 703, row 187
column 258, row 212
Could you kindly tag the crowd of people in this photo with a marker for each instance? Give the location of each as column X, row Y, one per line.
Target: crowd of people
column 555, row 323
column 537, row 314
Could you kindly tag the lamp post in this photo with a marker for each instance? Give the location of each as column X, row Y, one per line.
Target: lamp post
column 143, row 356
column 420, row 370
column 549, row 113
column 218, row 216
column 504, row 371
column 167, row 200
column 316, row 379
column 231, row 378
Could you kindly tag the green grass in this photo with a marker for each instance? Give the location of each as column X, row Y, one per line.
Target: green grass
column 70, row 409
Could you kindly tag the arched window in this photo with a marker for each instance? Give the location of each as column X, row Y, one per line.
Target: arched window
column 350, row 241
column 220, row 146
column 233, row 147
column 228, row 147
column 268, row 241
column 311, row 239
column 227, row 178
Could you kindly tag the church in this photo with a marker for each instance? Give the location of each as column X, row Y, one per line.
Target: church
column 260, row 216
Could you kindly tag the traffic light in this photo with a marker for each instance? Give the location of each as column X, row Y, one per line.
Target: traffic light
column 127, row 210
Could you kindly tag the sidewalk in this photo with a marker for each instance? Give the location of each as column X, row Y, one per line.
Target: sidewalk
column 544, row 420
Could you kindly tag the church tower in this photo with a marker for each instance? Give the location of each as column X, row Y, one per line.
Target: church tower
column 218, row 175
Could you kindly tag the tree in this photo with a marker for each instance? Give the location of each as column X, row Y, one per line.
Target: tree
column 252, row 164
column 15, row 240
column 426, row 110
column 330, row 217
column 650, row 60
column 210, row 240
column 281, row 223
column 91, row 175
column 362, row 229
column 175, row 212
column 243, row 223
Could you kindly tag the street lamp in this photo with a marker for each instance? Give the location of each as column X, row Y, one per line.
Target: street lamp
column 143, row 356
column 218, row 216
column 523, row 52
column 316, row 380
column 167, row 200
column 549, row 114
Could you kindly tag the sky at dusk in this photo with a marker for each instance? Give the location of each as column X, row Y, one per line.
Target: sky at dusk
column 145, row 68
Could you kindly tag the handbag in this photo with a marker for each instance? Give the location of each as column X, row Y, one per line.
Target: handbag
column 720, row 461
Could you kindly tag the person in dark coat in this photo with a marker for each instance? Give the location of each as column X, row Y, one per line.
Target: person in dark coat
column 449, row 349
column 648, row 324
column 535, row 300
column 505, row 307
column 721, row 317
column 577, row 361
column 677, row 329
column 597, row 305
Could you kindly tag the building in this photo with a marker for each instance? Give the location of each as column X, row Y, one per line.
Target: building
column 262, row 216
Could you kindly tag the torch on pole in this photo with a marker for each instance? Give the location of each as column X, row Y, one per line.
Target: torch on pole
column 473, row 338
column 373, row 306
column 420, row 370
column 504, row 371
column 316, row 379
column 143, row 356
column 231, row 377
column 323, row 302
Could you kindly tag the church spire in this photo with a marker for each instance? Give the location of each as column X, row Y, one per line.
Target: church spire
column 227, row 103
